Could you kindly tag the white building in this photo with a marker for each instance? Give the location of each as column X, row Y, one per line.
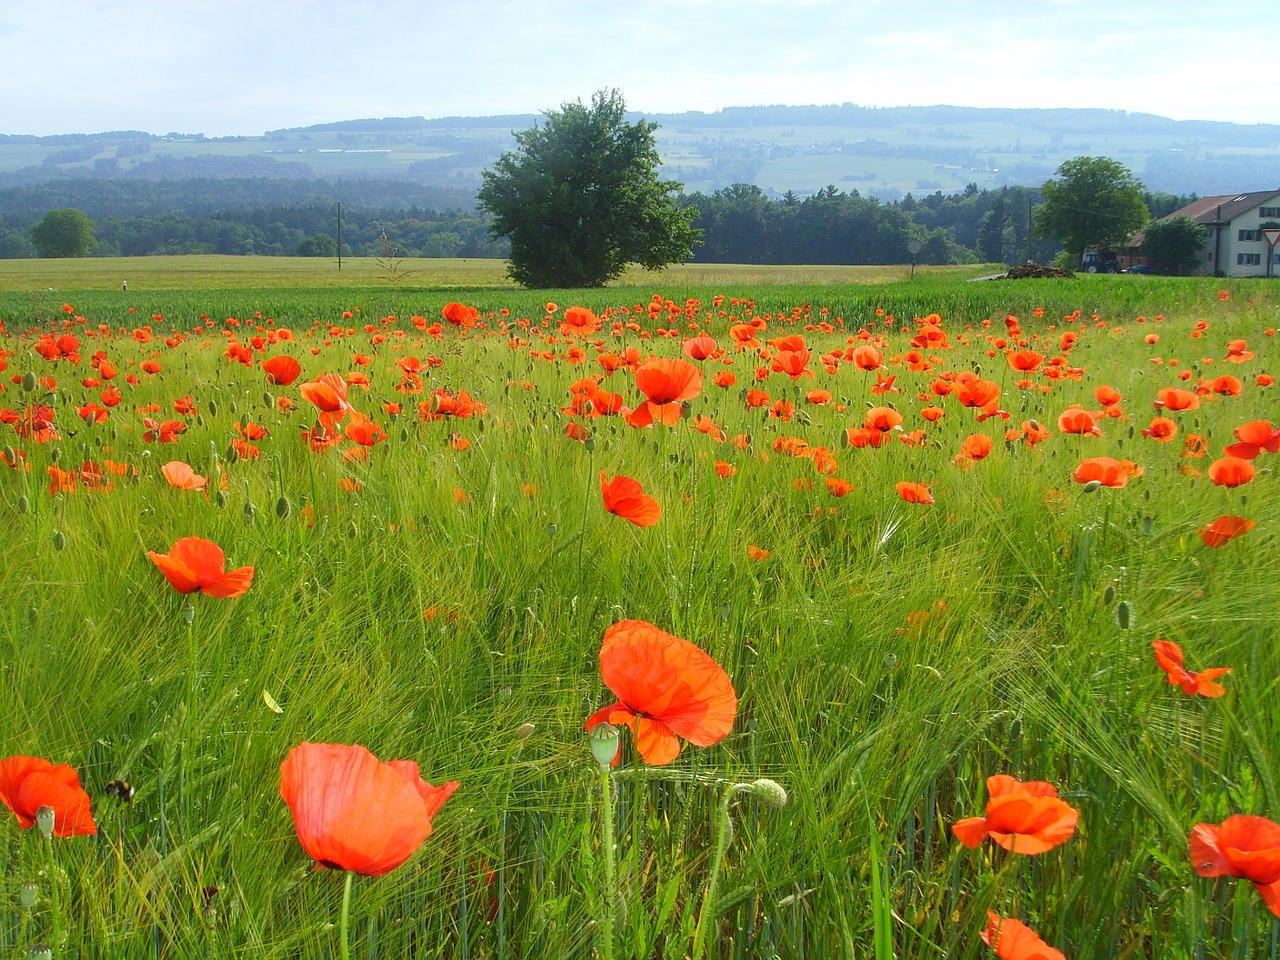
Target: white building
column 1235, row 246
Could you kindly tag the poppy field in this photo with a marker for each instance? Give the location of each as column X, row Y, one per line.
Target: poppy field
column 904, row 620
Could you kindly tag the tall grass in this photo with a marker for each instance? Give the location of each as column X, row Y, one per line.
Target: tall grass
column 888, row 657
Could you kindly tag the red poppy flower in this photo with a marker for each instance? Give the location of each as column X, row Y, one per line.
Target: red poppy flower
column 1108, row 471
column 1171, row 398
column 1013, row 940
column 1161, row 429
column 1021, row 817
column 281, row 370
column 1078, row 420
column 1254, row 437
column 1169, row 658
column 1024, row 361
column 29, row 783
column 667, row 689
column 883, row 419
column 1231, row 472
column 354, row 812
column 665, row 381
column 914, row 492
column 181, row 475
column 624, row 497
column 1240, row 846
column 195, row 564
column 1219, row 531
column 700, row 347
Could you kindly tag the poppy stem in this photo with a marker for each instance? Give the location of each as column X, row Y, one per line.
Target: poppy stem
column 57, row 935
column 706, row 916
column 344, row 919
column 610, row 868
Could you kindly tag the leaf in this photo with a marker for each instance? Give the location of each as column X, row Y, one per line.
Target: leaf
column 270, row 701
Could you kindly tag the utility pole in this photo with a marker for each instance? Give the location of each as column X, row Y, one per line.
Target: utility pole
column 339, row 234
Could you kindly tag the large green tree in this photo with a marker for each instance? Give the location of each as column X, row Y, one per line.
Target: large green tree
column 579, row 198
column 1175, row 242
column 1095, row 202
column 64, row 233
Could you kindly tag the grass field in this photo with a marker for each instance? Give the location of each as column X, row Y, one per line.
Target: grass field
column 434, row 571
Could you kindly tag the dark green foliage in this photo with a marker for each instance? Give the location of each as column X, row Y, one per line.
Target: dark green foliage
column 1095, row 202
column 64, row 233
column 580, row 199
column 1175, row 243
column 318, row 245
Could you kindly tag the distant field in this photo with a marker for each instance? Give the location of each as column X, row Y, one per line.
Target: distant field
column 221, row 272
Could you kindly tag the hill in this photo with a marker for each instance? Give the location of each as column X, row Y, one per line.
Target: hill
column 881, row 152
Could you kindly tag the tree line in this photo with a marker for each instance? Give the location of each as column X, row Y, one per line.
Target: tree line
column 739, row 224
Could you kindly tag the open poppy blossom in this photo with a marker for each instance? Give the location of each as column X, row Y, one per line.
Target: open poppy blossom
column 1021, row 817
column 625, row 498
column 182, row 476
column 1240, row 846
column 354, row 812
column 1231, row 472
column 1169, row 657
column 664, row 381
column 667, row 689
column 29, row 783
column 1108, row 471
column 1013, row 940
column 195, row 564
column 914, row 492
column 1220, row 531
column 281, row 370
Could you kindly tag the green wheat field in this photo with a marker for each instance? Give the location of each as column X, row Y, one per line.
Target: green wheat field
column 440, row 595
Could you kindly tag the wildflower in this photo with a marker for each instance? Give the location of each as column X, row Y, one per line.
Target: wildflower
column 282, row 370
column 1231, row 472
column 1021, row 817
column 1106, row 471
column 667, row 689
column 1013, row 940
column 195, row 564
column 355, row 812
column 1218, row 532
column 624, row 497
column 1240, row 846
column 29, row 783
column 1169, row 658
column 181, row 475
column 914, row 492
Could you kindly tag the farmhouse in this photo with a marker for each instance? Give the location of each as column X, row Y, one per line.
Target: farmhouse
column 1235, row 246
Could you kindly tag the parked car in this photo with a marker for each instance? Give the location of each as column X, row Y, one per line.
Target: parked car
column 1141, row 268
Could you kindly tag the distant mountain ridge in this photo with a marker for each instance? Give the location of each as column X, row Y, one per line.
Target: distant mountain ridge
column 885, row 152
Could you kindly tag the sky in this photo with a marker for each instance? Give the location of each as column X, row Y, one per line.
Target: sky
column 243, row 67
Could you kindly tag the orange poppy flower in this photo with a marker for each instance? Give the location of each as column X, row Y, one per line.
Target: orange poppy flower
column 1169, row 658
column 699, row 347
column 181, row 475
column 914, row 492
column 281, row 370
column 1013, row 940
column 624, row 497
column 976, row 446
column 1161, row 429
column 1254, row 437
column 29, row 783
column 758, row 554
column 838, row 486
column 977, row 393
column 195, row 564
column 1107, row 471
column 1219, row 531
column 1106, row 395
column 667, row 689
column 1021, row 817
column 1171, row 398
column 1077, row 420
column 665, row 381
column 1231, row 472
column 883, row 419
column 1024, row 361
column 354, row 812
column 1240, row 846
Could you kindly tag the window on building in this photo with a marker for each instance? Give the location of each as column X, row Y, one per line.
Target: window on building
column 1267, row 213
column 1248, row 259
column 1248, row 235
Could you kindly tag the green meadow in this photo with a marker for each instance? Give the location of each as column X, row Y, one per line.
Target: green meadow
column 441, row 595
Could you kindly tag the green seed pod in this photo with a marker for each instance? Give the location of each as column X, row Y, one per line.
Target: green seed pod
column 232, row 455
column 27, row 894
column 59, row 541
column 1093, row 486
column 1109, row 594
column 28, row 381
column 212, row 407
column 24, row 505
column 404, row 434
column 220, row 498
column 249, row 513
column 1124, row 614
column 267, row 399
column 283, row 508
column 231, row 405
column 353, row 531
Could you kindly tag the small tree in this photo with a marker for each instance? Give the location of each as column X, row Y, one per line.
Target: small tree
column 64, row 233
column 1095, row 202
column 580, row 198
column 1175, row 242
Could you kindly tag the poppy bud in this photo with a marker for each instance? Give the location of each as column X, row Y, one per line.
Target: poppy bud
column 1148, row 523
column 232, row 455
column 212, row 407
column 283, row 508
column 10, row 455
column 54, row 455
column 44, row 820
column 59, row 541
column 267, row 399
column 1109, row 594
column 769, row 792
column 27, row 894
column 28, row 381
column 1124, row 614
column 39, row 951
column 1093, row 486
column 232, row 405
column 589, row 444
column 188, row 612
column 33, row 616
column 220, row 499
column 23, row 504
column 604, row 744
column 353, row 531
column 524, row 731
column 249, row 513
